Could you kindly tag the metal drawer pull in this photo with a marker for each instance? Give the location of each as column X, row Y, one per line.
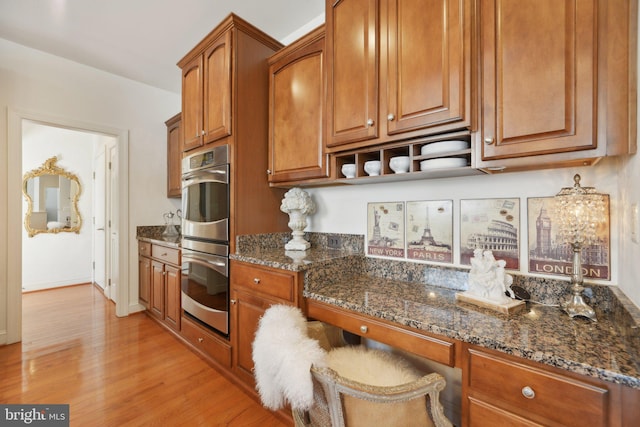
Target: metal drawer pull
column 391, row 117
column 233, row 301
column 256, row 280
column 200, row 339
column 528, row 392
column 364, row 329
column 370, row 123
column 488, row 141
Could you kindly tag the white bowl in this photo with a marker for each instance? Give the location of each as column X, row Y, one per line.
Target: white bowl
column 443, row 146
column 445, row 162
column 372, row 167
column 399, row 164
column 349, row 170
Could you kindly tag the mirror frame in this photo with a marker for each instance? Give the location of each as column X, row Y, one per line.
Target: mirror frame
column 49, row 167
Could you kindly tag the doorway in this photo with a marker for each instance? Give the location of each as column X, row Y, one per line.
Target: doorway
column 119, row 191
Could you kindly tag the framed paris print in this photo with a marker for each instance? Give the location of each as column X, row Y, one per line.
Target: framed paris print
column 430, row 231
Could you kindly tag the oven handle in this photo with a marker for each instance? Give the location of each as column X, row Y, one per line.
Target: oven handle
column 198, row 177
column 207, row 261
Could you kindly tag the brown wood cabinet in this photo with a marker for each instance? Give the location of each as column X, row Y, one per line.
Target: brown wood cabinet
column 159, row 278
column 254, row 206
column 213, row 102
column 174, row 156
column 505, row 390
column 296, row 111
column 144, row 273
column 557, row 82
column 254, row 289
column 396, row 69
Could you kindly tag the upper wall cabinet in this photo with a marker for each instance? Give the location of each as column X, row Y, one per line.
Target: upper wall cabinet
column 174, row 156
column 296, row 111
column 557, row 82
column 206, row 88
column 396, row 69
column 210, row 95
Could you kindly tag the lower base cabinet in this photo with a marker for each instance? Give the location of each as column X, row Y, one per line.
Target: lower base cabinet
column 502, row 390
column 253, row 290
column 207, row 343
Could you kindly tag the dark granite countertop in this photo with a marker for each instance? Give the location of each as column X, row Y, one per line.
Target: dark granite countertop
column 153, row 234
column 423, row 297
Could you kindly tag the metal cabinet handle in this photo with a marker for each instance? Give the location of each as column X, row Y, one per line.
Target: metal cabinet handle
column 268, row 171
column 370, row 122
column 203, row 132
column 391, row 117
column 256, row 280
column 364, row 329
column 528, row 392
column 200, row 339
column 233, row 302
column 489, row 141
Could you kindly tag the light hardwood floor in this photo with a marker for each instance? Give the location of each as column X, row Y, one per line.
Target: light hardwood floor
column 115, row 371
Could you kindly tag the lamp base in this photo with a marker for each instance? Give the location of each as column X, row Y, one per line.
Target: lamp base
column 577, row 307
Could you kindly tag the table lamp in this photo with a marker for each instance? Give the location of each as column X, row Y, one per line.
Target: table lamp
column 579, row 210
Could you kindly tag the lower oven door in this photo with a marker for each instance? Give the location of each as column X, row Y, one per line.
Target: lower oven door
column 205, row 288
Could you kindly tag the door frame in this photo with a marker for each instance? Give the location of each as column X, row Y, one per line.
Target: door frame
column 14, row 211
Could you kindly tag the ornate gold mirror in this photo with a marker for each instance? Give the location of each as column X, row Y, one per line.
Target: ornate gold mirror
column 52, row 197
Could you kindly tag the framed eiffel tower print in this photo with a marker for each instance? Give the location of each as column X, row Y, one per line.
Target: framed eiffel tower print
column 430, row 231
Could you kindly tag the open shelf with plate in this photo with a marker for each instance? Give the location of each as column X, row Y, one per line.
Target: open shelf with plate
column 440, row 156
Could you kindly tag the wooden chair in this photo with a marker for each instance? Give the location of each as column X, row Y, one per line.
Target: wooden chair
column 349, row 399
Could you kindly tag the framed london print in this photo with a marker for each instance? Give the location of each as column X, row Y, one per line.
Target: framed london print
column 490, row 224
column 385, row 229
column 430, row 231
column 549, row 255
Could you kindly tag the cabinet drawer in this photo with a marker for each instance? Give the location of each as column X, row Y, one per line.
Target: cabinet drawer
column 427, row 346
column 144, row 248
column 534, row 392
column 165, row 254
column 279, row 284
column 206, row 342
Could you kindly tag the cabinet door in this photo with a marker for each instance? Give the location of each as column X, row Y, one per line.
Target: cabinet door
column 246, row 310
column 174, row 157
column 296, row 109
column 538, row 60
column 428, row 44
column 192, row 104
column 352, row 75
column 144, row 280
column 172, row 296
column 156, row 304
column 217, row 89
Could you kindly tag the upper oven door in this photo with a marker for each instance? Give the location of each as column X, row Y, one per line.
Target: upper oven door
column 205, row 203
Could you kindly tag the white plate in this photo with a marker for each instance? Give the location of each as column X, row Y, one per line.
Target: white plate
column 442, row 146
column 446, row 162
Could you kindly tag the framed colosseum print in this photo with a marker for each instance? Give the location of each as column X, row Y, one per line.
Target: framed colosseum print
column 548, row 255
column 430, row 231
column 490, row 224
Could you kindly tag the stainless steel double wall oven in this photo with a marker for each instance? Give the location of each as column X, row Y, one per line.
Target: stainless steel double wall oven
column 205, row 237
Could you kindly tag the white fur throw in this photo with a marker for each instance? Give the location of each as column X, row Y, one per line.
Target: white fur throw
column 283, row 355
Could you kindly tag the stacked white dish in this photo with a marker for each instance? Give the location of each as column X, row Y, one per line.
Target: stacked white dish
column 443, row 146
column 445, row 162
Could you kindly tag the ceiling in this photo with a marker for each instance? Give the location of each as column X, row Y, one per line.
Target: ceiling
column 140, row 39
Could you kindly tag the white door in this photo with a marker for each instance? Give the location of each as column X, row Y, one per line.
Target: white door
column 99, row 222
column 112, row 220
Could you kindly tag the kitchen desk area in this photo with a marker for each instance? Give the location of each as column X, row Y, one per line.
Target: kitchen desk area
column 536, row 367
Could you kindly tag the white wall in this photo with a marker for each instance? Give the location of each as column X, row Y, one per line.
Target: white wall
column 53, row 260
column 343, row 209
column 34, row 81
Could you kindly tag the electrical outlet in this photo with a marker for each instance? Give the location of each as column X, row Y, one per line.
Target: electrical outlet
column 334, row 241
